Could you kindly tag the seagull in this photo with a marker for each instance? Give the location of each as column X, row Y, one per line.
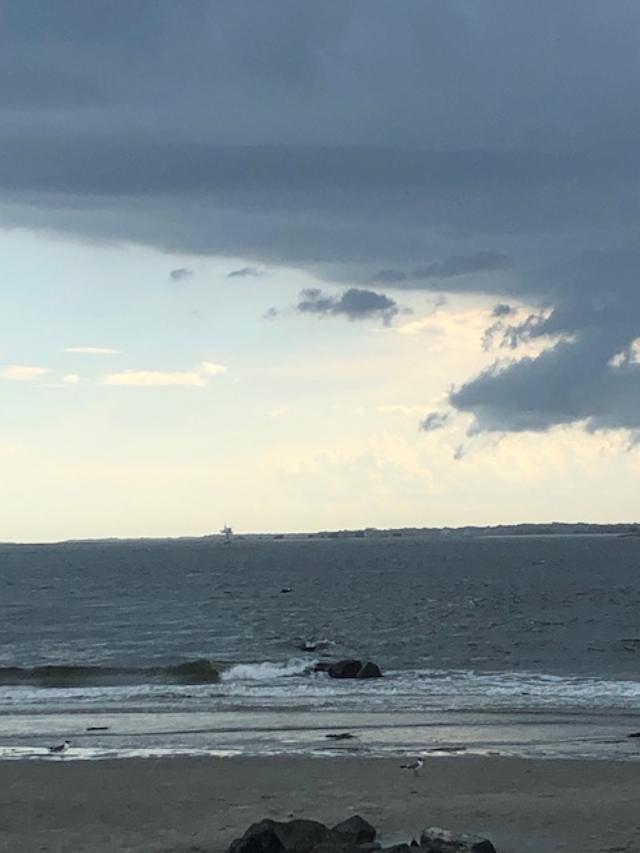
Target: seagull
column 415, row 766
column 60, row 748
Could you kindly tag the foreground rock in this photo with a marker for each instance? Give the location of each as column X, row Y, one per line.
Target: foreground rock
column 354, row 830
column 354, row 835
column 271, row 836
column 349, row 669
column 259, row 838
column 436, row 840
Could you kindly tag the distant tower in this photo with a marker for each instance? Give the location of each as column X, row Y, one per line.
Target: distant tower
column 227, row 532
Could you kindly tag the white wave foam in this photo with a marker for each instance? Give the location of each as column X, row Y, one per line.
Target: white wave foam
column 428, row 690
column 266, row 671
column 288, row 684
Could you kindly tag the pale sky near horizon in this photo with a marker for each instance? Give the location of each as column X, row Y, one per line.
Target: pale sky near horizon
column 326, row 267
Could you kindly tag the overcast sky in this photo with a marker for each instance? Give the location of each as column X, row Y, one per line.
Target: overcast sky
column 298, row 265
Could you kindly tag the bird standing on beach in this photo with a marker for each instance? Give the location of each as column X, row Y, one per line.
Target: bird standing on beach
column 415, row 766
column 60, row 748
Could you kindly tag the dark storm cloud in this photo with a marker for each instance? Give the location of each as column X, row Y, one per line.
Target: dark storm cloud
column 502, row 310
column 180, row 274
column 571, row 382
column 354, row 304
column 588, row 375
column 433, row 421
column 245, row 272
column 420, row 148
column 457, row 265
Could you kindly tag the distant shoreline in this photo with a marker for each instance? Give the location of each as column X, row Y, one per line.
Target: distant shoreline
column 630, row 529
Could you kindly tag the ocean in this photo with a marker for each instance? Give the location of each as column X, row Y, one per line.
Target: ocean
column 498, row 645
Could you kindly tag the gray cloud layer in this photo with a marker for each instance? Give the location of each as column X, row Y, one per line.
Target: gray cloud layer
column 476, row 145
column 452, row 267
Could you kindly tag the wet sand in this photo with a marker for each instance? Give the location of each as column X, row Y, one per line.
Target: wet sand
column 193, row 804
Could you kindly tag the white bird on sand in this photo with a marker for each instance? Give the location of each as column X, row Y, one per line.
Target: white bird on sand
column 60, row 748
column 415, row 766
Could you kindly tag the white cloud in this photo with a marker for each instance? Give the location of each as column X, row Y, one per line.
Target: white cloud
column 154, row 378
column 92, row 350
column 278, row 412
column 404, row 410
column 211, row 368
column 160, row 378
column 71, row 378
column 631, row 355
column 23, row 372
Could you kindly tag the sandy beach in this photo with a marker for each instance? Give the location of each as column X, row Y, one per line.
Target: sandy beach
column 194, row 804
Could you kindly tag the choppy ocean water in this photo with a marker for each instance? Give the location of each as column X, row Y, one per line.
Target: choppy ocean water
column 523, row 646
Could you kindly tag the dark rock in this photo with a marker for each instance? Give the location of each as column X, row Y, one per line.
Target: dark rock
column 370, row 670
column 349, row 669
column 414, row 843
column 436, row 840
column 634, row 734
column 355, row 830
column 259, row 838
column 271, row 836
column 346, row 736
column 398, row 848
column 301, row 836
column 345, row 669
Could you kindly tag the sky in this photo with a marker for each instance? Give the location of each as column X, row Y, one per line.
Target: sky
column 294, row 266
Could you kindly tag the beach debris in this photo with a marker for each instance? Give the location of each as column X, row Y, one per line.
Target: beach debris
column 355, row 830
column 97, row 728
column 436, row 840
column 349, row 669
column 59, row 748
column 634, row 734
column 349, row 736
column 414, row 766
column 286, row 589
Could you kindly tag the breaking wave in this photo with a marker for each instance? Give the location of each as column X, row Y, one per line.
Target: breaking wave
column 267, row 671
column 56, row 676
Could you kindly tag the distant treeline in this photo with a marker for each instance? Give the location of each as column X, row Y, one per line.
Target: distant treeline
column 556, row 528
